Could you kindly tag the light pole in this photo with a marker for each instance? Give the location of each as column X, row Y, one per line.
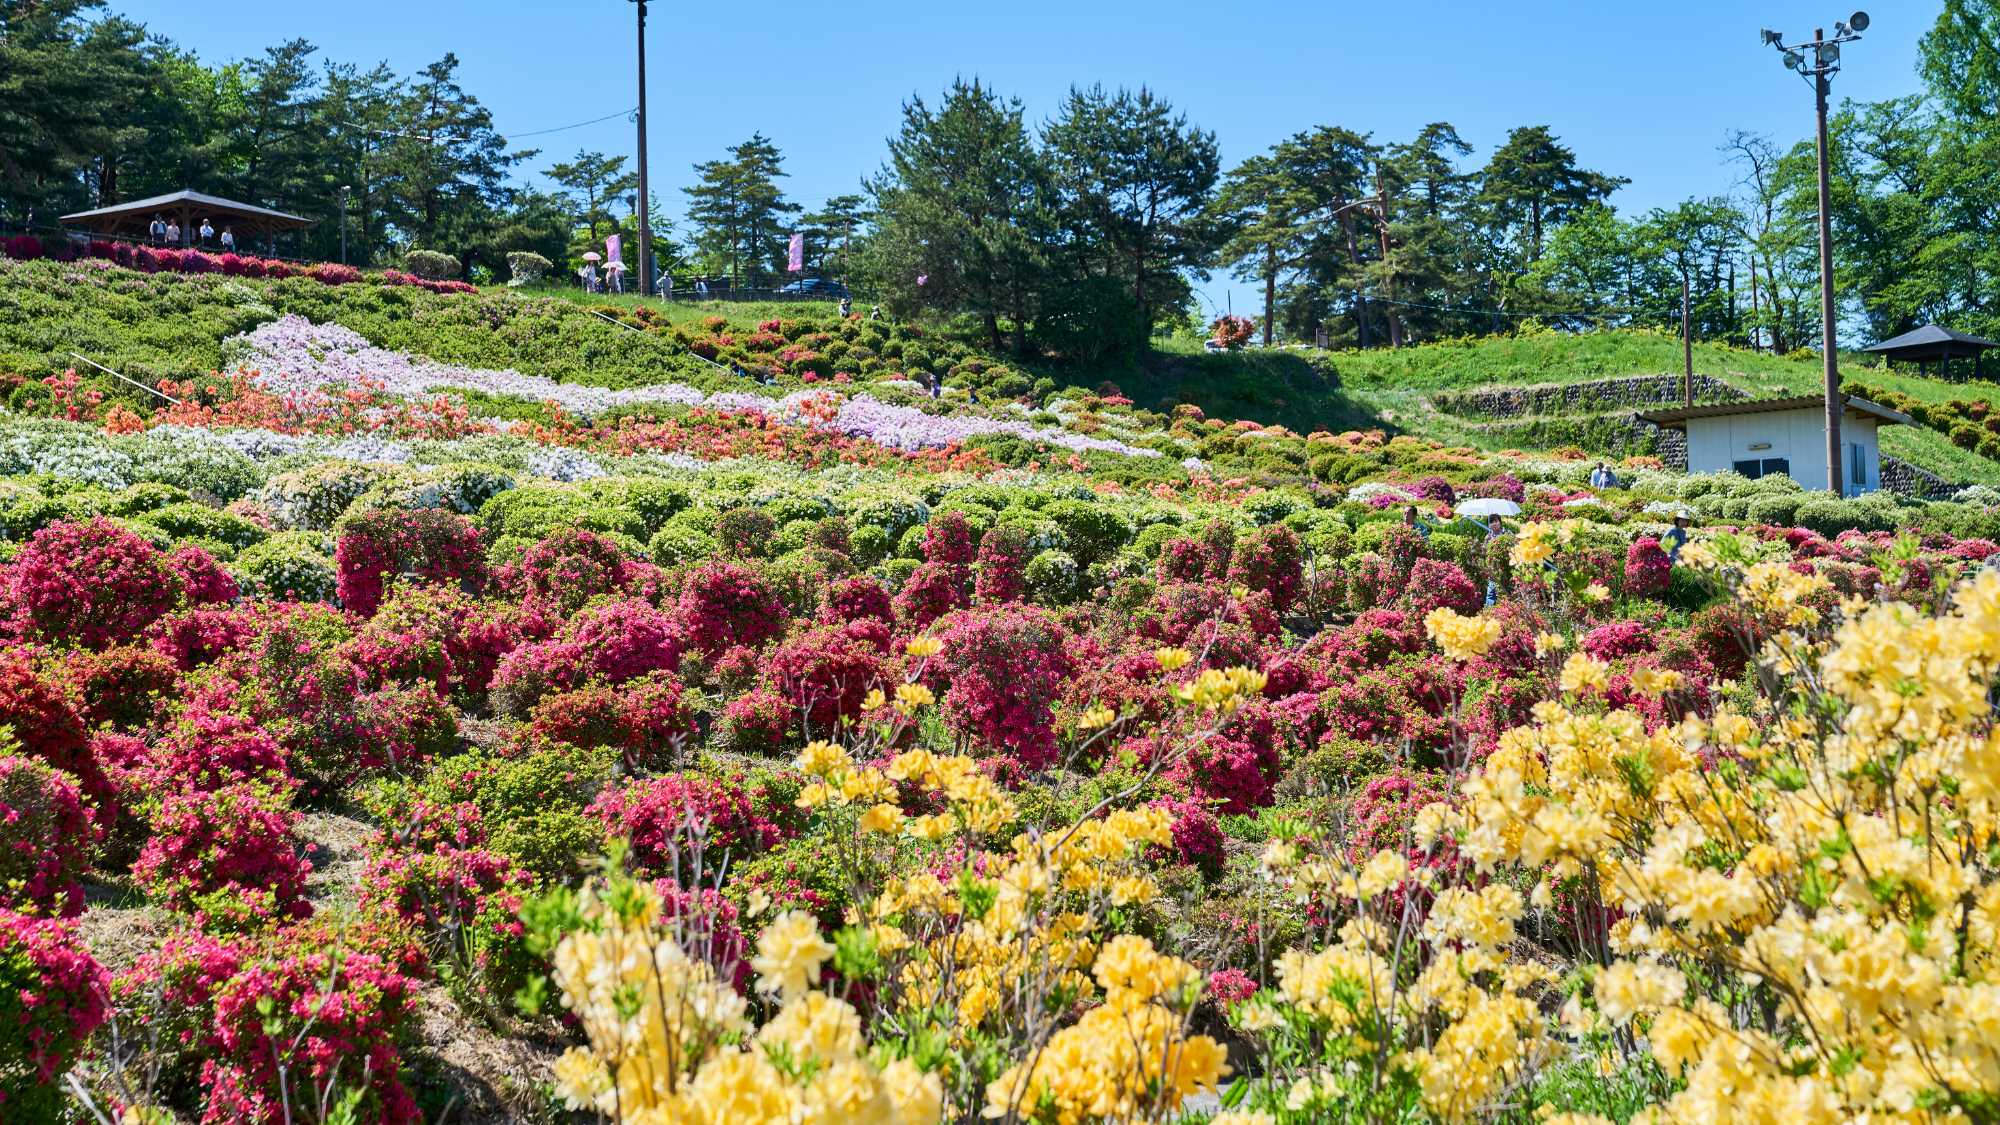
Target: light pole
column 645, row 201
column 1817, row 62
column 344, row 189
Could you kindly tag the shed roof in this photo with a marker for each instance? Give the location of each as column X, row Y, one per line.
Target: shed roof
column 1678, row 419
column 1931, row 342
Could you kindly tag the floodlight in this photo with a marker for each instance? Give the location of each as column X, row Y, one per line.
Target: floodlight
column 1839, row 29
column 1772, row 38
column 1794, row 60
column 1858, row 21
column 1829, row 54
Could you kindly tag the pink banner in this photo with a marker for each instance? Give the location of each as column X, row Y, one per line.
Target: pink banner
column 798, row 258
column 614, row 249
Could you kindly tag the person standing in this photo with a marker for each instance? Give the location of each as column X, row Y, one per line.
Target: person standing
column 1494, row 530
column 157, row 231
column 701, row 288
column 207, row 232
column 846, row 307
column 1675, row 538
column 173, row 232
column 1415, row 522
column 228, row 241
column 614, row 270
column 589, row 275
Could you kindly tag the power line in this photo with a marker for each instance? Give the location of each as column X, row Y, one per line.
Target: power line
column 578, row 125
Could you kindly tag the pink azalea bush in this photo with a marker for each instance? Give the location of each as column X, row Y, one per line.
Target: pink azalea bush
column 386, row 546
column 1003, row 670
column 52, row 996
column 92, row 583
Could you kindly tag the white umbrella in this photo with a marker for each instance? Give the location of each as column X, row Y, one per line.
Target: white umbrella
column 1484, row 506
column 593, row 256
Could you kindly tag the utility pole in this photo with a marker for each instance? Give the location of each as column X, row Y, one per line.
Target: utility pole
column 645, row 200
column 344, row 189
column 1819, row 68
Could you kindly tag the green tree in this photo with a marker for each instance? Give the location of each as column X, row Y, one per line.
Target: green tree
column 592, row 182
column 1135, row 180
column 830, row 232
column 1534, row 182
column 737, row 209
column 961, row 212
column 1263, row 214
column 444, row 167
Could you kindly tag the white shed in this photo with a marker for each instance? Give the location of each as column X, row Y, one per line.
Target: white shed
column 1783, row 435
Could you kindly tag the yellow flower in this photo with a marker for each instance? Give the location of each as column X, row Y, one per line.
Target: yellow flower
column 1580, row 672
column 1096, row 718
column 884, row 817
column 790, row 952
column 1596, row 592
column 1461, row 638
column 822, row 759
column 1172, row 659
column 909, row 697
column 921, row 647
column 1546, row 643
column 873, row 700
column 1656, row 682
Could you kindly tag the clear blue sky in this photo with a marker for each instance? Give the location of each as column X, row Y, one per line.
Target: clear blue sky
column 1645, row 91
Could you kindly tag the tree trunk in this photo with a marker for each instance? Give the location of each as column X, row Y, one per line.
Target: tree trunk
column 1270, row 290
column 993, row 329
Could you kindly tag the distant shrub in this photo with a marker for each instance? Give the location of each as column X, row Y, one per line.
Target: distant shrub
column 431, row 265
column 525, row 267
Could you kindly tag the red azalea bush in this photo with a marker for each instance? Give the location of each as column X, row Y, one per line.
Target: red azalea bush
column 290, row 1024
column 1004, row 669
column 92, row 583
column 725, row 604
column 628, row 638
column 229, row 854
column 705, row 923
column 756, row 722
column 569, row 568
column 1647, row 569
column 203, row 634
column 856, row 599
column 202, row 579
column 1198, row 837
column 45, row 723
column 948, row 540
column 1235, row 765
column 52, row 996
column 210, row 748
column 22, row 247
column 1617, row 639
column 1435, row 584
column 684, row 824
column 1272, row 560
column 45, row 838
column 532, row 671
column 388, row 545
column 464, row 897
column 332, row 273
column 1001, row 575
column 824, row 674
column 932, row 590
column 647, row 720
column 118, row 687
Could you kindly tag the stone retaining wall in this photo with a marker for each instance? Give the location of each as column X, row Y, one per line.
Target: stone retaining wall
column 1597, row 396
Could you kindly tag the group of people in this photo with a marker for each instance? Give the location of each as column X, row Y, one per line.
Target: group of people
column 167, row 232
column 611, row 280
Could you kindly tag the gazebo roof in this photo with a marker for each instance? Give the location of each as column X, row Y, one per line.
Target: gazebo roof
column 138, row 212
column 1931, row 342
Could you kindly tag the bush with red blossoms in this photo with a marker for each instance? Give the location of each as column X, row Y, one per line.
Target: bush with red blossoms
column 628, row 638
column 1618, row 639
column 1435, row 583
column 202, row 635
column 948, row 540
column 684, row 824
column 1384, row 813
column 647, row 720
column 1002, row 570
column 118, row 687
column 1371, row 641
column 203, row 581
column 229, row 854
column 465, row 899
column 1234, row 766
column 535, row 670
column 704, row 923
column 1647, row 569
column 52, row 997
column 824, row 674
column 566, row 570
column 45, row 836
column 756, row 722
column 1272, row 560
column 44, row 721
column 931, row 591
column 210, row 748
column 94, row 584
column 388, row 546
column 1004, row 669
column 725, row 604
column 305, row 1018
column 1198, row 838
column 856, row 599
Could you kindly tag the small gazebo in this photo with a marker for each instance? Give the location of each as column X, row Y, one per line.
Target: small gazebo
column 188, row 209
column 1933, row 344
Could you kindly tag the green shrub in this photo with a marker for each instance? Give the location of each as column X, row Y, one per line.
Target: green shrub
column 532, row 806
column 147, row 497
column 188, row 520
column 431, row 265
column 289, row 566
column 1052, row 578
column 869, row 544
column 678, row 544
column 1091, row 531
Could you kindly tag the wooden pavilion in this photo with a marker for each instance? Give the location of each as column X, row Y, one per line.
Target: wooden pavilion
column 1933, row 344
column 188, row 209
